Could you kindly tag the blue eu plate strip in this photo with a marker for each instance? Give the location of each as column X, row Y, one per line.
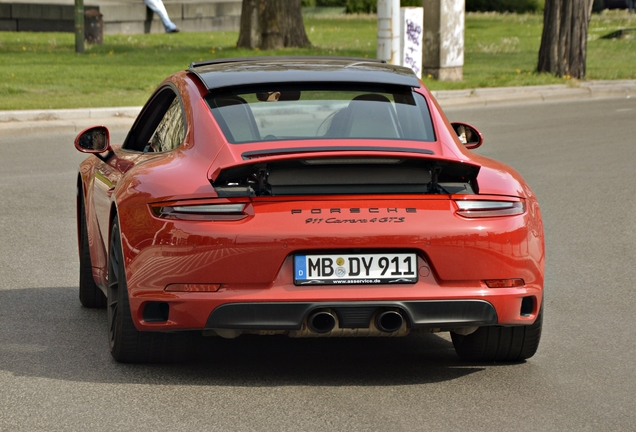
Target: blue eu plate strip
column 301, row 267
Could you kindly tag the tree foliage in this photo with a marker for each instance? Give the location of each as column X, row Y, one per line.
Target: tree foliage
column 519, row 6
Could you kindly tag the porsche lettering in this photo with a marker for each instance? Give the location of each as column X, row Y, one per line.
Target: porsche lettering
column 355, row 210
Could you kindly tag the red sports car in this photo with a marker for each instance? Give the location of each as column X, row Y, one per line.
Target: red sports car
column 312, row 197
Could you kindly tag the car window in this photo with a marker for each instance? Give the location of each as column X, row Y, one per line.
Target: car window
column 160, row 126
column 318, row 113
column 171, row 129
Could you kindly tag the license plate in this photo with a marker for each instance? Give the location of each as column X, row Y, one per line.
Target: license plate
column 378, row 268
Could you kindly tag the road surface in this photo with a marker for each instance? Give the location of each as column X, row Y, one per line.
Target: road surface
column 56, row 372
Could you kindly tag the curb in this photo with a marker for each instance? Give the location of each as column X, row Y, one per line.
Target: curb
column 623, row 89
column 75, row 120
column 68, row 114
column 65, row 120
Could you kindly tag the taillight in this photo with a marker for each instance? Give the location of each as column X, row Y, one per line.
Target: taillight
column 219, row 212
column 476, row 209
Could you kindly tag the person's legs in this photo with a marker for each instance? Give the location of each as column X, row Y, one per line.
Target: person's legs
column 157, row 7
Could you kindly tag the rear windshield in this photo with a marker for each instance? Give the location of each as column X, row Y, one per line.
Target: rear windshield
column 291, row 113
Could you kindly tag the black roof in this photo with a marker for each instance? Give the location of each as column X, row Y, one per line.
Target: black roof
column 232, row 72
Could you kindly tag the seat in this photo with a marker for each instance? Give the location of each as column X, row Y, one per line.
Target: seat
column 339, row 124
column 371, row 116
column 238, row 118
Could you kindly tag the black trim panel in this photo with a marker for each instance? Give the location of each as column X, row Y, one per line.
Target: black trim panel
column 281, row 70
column 281, row 151
column 254, row 59
column 291, row 315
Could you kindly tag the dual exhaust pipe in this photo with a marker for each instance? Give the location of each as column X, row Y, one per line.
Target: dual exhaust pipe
column 321, row 322
column 324, row 321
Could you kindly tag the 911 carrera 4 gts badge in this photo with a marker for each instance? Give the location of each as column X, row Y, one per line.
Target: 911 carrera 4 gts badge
column 373, row 215
column 378, row 268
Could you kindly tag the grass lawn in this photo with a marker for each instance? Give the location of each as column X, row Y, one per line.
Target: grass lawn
column 42, row 70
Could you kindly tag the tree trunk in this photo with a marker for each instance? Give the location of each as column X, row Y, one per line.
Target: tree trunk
column 564, row 39
column 272, row 24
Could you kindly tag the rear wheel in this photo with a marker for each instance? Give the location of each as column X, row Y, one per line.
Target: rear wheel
column 497, row 343
column 127, row 344
column 89, row 293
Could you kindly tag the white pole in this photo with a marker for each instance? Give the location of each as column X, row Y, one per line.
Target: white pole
column 389, row 31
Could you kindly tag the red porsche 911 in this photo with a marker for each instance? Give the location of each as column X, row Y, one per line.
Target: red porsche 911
column 310, row 197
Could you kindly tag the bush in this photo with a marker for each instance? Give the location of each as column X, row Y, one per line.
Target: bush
column 410, row 3
column 598, row 6
column 519, row 6
column 371, row 6
column 323, row 3
column 361, row 6
column 331, row 3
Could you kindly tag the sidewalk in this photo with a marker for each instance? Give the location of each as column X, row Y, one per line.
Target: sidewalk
column 75, row 120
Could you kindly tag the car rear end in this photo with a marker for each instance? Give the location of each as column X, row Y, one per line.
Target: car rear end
column 334, row 210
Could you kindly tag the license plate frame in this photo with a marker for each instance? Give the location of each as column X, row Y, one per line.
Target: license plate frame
column 355, row 268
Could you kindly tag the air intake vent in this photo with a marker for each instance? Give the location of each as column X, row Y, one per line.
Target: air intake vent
column 527, row 306
column 156, row 312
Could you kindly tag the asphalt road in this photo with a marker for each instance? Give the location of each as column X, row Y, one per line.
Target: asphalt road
column 579, row 157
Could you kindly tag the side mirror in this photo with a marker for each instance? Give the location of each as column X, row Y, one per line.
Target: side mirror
column 93, row 140
column 468, row 135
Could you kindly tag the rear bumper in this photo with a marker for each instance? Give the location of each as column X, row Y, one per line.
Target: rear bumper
column 250, row 263
column 291, row 316
column 286, row 307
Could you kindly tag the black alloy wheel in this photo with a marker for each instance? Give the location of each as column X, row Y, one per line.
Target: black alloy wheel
column 116, row 277
column 500, row 344
column 127, row 344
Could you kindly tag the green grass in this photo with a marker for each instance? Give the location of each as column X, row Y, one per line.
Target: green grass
column 42, row 70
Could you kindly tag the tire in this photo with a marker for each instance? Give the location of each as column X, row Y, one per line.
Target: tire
column 90, row 295
column 127, row 344
column 500, row 344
